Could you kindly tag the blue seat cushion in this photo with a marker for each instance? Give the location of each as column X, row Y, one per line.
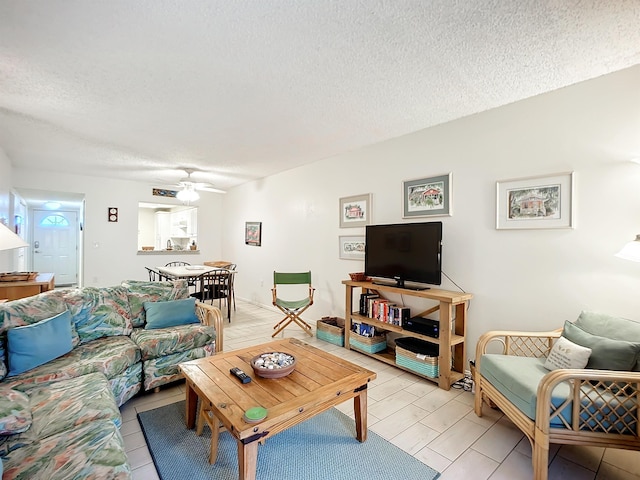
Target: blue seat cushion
column 517, row 378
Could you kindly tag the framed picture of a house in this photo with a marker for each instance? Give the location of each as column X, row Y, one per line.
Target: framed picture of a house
column 535, row 202
column 253, row 233
column 427, row 197
column 355, row 211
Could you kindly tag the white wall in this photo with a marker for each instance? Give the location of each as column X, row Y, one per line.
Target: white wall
column 6, row 257
column 522, row 279
column 110, row 254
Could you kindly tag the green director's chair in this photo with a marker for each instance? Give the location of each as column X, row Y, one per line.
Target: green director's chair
column 291, row 308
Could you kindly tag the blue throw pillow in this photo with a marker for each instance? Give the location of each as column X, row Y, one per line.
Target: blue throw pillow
column 171, row 313
column 39, row 343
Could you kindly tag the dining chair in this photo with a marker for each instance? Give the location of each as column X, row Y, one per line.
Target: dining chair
column 177, row 264
column 212, row 286
column 154, row 275
column 191, row 281
column 232, row 279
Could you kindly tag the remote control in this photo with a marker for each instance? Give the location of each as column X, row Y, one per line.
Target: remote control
column 243, row 377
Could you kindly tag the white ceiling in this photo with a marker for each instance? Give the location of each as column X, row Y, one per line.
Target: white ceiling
column 135, row 89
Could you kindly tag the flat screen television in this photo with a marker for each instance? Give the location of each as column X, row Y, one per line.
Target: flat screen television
column 404, row 252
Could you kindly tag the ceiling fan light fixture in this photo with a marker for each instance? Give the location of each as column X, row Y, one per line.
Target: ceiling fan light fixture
column 188, row 194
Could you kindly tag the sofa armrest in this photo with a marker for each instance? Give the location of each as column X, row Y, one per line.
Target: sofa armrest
column 521, row 344
column 599, row 400
column 212, row 316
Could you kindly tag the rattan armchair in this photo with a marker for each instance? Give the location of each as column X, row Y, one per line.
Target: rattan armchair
column 596, row 407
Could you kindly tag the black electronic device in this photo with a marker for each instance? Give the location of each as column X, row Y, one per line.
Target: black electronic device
column 423, row 326
column 240, row 375
column 404, row 252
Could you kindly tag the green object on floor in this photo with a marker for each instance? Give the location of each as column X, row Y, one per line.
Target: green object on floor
column 323, row 447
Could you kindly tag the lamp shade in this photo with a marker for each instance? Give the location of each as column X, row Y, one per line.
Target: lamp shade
column 188, row 194
column 9, row 240
column 631, row 251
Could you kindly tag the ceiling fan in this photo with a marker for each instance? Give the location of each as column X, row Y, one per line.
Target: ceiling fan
column 190, row 187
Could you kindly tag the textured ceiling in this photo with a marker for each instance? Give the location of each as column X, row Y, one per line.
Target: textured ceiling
column 136, row 89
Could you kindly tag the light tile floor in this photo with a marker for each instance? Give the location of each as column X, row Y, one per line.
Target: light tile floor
column 437, row 427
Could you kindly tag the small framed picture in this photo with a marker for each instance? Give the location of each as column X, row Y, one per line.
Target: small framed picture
column 535, row 202
column 253, row 233
column 355, row 211
column 427, row 197
column 352, row 247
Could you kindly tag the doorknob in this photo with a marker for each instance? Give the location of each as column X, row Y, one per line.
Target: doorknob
column 36, row 251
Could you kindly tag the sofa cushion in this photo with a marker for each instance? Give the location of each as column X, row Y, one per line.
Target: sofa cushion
column 616, row 328
column 140, row 292
column 93, row 450
column 607, row 354
column 165, row 341
column 162, row 370
column 566, row 354
column 15, row 414
column 61, row 406
column 3, row 354
column 99, row 312
column 127, row 384
column 33, row 345
column 171, row 313
column 109, row 355
column 29, row 310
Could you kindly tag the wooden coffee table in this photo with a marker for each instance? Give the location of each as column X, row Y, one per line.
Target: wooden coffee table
column 320, row 381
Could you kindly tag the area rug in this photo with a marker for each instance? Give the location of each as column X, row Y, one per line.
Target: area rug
column 323, row 447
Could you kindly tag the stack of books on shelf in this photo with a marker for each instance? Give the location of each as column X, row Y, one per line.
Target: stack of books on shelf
column 383, row 310
column 364, row 337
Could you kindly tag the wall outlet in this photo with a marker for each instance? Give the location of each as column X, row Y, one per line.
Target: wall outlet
column 261, row 283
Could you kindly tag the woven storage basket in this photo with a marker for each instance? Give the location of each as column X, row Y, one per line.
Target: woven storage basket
column 422, row 364
column 368, row 344
column 418, row 355
column 331, row 329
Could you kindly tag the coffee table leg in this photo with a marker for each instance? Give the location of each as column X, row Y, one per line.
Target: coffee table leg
column 191, row 403
column 360, row 411
column 215, row 433
column 247, row 460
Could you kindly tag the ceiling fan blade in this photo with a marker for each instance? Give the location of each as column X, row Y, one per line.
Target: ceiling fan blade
column 210, row 189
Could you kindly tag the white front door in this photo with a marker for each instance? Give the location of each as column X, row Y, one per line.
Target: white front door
column 55, row 244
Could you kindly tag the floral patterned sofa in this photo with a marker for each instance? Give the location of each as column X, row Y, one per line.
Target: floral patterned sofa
column 93, row 349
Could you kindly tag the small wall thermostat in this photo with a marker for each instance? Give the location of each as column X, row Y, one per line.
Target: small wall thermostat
column 113, row 214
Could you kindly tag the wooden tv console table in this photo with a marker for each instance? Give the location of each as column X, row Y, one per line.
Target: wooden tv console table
column 451, row 307
column 27, row 288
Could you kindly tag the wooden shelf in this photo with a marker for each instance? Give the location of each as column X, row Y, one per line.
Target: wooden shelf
column 455, row 339
column 390, row 359
column 452, row 311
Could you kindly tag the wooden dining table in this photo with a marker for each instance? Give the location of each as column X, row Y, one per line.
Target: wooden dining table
column 186, row 271
column 191, row 273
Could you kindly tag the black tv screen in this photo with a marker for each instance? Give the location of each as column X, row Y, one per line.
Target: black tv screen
column 404, row 252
